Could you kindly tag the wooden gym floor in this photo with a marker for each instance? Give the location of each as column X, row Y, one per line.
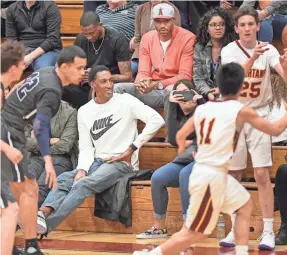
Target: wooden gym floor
column 88, row 243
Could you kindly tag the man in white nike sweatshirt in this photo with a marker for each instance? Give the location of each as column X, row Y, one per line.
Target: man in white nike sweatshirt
column 109, row 144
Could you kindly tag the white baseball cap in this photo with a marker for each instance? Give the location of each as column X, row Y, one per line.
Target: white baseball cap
column 163, row 11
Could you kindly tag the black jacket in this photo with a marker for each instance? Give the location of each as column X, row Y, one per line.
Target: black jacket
column 37, row 27
column 115, row 203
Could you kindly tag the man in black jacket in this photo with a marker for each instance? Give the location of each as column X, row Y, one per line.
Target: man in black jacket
column 37, row 25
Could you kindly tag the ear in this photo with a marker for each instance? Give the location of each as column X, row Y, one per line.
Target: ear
column 258, row 27
column 236, row 29
column 93, row 84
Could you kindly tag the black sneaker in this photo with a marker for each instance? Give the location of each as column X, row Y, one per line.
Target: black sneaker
column 17, row 251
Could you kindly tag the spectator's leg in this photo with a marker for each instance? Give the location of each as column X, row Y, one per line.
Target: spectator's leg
column 99, row 179
column 183, row 186
column 154, row 99
column 135, row 65
column 281, row 191
column 47, row 59
column 61, row 164
column 36, row 166
column 56, row 196
column 92, row 5
column 279, row 22
column 183, row 8
column 265, row 33
column 166, row 176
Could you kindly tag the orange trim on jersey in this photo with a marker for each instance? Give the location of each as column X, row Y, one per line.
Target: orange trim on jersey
column 204, row 213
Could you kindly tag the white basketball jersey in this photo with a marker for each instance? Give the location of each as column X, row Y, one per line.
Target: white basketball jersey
column 215, row 126
column 256, row 90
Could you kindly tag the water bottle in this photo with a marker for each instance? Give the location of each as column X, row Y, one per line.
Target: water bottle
column 221, row 227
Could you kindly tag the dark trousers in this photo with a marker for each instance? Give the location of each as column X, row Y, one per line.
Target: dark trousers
column 281, row 191
column 92, row 5
column 61, row 164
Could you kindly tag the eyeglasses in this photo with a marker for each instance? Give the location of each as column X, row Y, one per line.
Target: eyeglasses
column 217, row 25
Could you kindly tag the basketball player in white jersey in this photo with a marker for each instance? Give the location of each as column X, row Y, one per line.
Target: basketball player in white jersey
column 212, row 190
column 256, row 58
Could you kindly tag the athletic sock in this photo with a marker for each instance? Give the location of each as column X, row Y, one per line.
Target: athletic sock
column 31, row 245
column 268, row 225
column 241, row 249
column 233, row 217
column 156, row 251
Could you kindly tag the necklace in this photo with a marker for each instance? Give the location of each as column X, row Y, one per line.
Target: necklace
column 97, row 50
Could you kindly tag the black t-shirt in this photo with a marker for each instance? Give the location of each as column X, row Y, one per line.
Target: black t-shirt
column 41, row 91
column 113, row 49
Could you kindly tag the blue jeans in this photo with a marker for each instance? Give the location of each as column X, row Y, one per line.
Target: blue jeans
column 170, row 175
column 67, row 197
column 135, row 66
column 47, row 59
column 271, row 28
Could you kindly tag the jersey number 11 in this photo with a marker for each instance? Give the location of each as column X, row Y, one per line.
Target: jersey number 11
column 205, row 138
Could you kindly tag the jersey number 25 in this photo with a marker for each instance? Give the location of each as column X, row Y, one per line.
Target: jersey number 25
column 29, row 84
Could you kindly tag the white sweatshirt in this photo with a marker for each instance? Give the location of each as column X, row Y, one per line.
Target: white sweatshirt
column 107, row 130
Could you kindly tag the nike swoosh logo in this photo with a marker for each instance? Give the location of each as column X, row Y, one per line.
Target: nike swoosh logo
column 101, row 133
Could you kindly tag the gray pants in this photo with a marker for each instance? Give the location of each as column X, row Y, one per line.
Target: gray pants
column 36, row 167
column 67, row 197
column 154, row 99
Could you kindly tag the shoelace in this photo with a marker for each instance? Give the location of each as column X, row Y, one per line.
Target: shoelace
column 263, row 234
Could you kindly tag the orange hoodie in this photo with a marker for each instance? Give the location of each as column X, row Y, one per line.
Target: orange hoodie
column 176, row 64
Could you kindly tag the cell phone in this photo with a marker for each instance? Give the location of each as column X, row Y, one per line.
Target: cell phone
column 187, row 95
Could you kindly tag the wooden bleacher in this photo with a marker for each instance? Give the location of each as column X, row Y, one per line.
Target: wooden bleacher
column 152, row 156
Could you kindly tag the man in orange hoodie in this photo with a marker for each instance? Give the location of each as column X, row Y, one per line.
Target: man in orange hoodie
column 165, row 56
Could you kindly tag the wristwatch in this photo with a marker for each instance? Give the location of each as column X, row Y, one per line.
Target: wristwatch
column 160, row 86
column 133, row 147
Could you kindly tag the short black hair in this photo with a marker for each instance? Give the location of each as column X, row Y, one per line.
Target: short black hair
column 68, row 54
column 95, row 70
column 89, row 18
column 12, row 52
column 229, row 79
column 246, row 11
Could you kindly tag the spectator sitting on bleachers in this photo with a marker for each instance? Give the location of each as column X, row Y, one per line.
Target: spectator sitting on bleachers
column 216, row 30
column 103, row 46
column 176, row 173
column 64, row 135
column 281, row 191
column 272, row 16
column 143, row 24
column 165, row 56
column 108, row 144
column 119, row 15
column 37, row 25
column 4, row 6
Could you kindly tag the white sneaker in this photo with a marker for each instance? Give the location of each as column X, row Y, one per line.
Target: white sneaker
column 228, row 241
column 143, row 252
column 267, row 241
column 41, row 224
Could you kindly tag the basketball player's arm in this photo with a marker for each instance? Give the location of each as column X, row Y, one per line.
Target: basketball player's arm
column 47, row 106
column 258, row 51
column 183, row 133
column 250, row 116
column 13, row 154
